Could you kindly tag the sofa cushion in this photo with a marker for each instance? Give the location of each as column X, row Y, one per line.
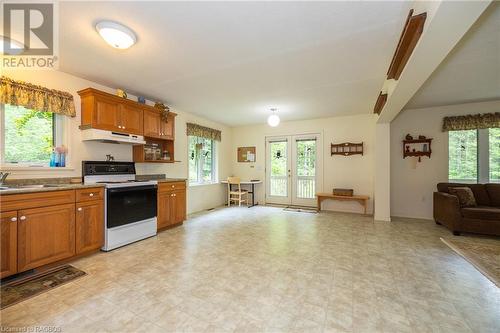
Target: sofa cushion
column 479, row 190
column 481, row 213
column 465, row 196
column 494, row 193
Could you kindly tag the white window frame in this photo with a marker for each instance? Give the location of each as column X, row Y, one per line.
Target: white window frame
column 214, row 178
column 483, row 158
column 60, row 124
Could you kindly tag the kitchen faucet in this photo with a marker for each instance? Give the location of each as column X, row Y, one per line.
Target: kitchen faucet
column 3, row 176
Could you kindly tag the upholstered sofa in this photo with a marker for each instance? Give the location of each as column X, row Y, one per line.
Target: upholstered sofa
column 482, row 219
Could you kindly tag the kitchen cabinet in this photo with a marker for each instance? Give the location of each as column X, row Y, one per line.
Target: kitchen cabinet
column 45, row 235
column 109, row 112
column 8, row 243
column 156, row 127
column 171, row 204
column 41, row 228
column 152, row 124
column 89, row 223
column 131, row 119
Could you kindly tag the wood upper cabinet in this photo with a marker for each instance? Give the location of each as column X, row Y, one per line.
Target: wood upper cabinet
column 167, row 127
column 106, row 115
column 131, row 119
column 8, row 243
column 45, row 235
column 89, row 226
column 109, row 112
column 152, row 124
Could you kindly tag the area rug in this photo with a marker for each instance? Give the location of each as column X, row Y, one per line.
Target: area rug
column 485, row 256
column 18, row 291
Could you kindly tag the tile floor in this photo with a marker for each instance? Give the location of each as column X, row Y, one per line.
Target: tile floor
column 266, row 270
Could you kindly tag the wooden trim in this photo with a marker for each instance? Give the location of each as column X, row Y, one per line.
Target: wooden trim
column 379, row 105
column 410, row 35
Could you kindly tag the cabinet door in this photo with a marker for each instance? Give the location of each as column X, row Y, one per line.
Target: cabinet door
column 45, row 235
column 178, row 212
column 152, row 124
column 106, row 114
column 8, row 225
column 131, row 120
column 164, row 218
column 167, row 127
column 89, row 226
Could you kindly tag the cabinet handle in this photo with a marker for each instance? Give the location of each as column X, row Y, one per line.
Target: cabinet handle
column 13, row 219
column 79, row 209
column 123, row 127
column 22, row 218
column 91, row 194
column 173, row 186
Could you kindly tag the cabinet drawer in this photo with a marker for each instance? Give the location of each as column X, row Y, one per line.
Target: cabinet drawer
column 34, row 200
column 90, row 194
column 171, row 186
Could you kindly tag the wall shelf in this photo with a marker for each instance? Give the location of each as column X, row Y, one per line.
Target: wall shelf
column 417, row 148
column 347, row 149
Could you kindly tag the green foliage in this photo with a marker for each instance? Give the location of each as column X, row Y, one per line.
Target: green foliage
column 278, row 158
column 28, row 135
column 462, row 163
column 306, row 158
column 201, row 153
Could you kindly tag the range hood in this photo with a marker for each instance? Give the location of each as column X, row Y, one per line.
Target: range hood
column 93, row 134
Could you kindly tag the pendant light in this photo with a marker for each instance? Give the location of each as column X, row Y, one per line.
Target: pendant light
column 273, row 120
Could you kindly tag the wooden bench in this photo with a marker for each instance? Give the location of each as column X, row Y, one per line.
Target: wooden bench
column 362, row 199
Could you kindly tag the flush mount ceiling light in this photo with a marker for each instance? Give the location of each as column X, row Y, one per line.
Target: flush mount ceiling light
column 273, row 120
column 116, row 35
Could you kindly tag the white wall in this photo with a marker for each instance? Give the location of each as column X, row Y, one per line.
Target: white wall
column 413, row 184
column 382, row 172
column 338, row 171
column 199, row 198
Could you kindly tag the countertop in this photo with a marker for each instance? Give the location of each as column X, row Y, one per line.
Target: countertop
column 20, row 189
column 60, row 184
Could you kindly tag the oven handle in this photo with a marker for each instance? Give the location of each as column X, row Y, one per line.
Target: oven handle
column 131, row 188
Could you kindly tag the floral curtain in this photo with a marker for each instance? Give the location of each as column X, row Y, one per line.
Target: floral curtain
column 203, row 132
column 35, row 97
column 468, row 122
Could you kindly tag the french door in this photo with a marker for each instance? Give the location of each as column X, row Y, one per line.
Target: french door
column 292, row 169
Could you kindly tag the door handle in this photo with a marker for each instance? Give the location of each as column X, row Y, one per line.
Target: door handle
column 14, row 219
column 22, row 218
column 79, row 209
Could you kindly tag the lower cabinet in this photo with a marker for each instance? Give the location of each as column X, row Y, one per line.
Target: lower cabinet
column 45, row 235
column 171, row 206
column 8, row 243
column 89, row 226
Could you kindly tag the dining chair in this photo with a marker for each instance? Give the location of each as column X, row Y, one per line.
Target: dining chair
column 235, row 195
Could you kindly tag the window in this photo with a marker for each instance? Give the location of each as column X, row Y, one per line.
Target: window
column 474, row 155
column 28, row 136
column 201, row 160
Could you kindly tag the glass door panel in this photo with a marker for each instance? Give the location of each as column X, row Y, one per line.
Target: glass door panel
column 278, row 171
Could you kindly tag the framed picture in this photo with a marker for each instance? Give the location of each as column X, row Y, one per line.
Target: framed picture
column 246, row 154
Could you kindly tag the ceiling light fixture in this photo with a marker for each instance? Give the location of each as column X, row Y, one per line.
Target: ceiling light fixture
column 116, row 35
column 273, row 120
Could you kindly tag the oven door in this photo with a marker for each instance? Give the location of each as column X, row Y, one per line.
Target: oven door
column 130, row 204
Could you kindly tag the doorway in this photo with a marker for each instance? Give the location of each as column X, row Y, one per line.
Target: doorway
column 292, row 169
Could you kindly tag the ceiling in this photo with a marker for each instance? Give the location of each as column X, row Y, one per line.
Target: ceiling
column 232, row 61
column 471, row 72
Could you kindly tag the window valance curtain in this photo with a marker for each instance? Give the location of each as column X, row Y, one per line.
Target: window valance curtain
column 203, row 132
column 35, row 97
column 468, row 122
